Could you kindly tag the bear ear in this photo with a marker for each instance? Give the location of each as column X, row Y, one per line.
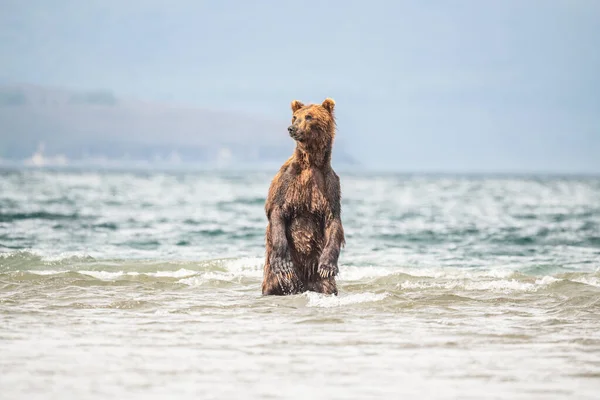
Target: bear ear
column 296, row 105
column 329, row 104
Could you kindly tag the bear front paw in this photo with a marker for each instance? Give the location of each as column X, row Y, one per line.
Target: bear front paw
column 327, row 269
column 282, row 265
column 283, row 268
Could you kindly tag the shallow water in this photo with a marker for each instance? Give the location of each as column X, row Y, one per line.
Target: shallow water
column 148, row 286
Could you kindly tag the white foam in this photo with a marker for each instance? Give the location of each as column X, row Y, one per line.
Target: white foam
column 248, row 266
column 201, row 279
column 111, row 275
column 48, row 258
column 66, row 255
column 547, row 280
column 47, row 272
column 352, row 273
column 500, row 285
column 323, row 301
column 180, row 273
column 193, row 281
column 106, row 275
column 592, row 281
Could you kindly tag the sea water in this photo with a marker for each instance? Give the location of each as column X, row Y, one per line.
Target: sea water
column 147, row 285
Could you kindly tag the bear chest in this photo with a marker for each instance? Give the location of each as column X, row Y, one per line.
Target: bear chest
column 307, row 193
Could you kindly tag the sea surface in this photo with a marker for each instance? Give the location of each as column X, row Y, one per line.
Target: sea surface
column 133, row 285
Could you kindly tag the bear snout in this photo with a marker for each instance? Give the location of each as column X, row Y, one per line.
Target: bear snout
column 293, row 130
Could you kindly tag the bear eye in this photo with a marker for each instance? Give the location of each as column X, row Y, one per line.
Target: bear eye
column 308, row 117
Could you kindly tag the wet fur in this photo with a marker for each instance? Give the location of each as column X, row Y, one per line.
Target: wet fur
column 304, row 233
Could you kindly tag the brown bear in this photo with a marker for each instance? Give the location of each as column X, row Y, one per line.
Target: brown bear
column 304, row 233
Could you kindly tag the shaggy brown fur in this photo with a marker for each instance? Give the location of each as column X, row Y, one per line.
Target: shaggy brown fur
column 304, row 233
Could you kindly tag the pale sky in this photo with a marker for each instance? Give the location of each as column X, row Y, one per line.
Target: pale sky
column 433, row 85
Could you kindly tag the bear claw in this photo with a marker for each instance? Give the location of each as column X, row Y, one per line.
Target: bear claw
column 327, row 270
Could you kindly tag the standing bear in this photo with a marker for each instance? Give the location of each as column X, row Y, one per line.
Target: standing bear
column 304, row 233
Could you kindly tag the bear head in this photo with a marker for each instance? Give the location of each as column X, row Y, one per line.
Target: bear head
column 313, row 125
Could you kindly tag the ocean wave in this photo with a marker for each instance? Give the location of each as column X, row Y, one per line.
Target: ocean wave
column 588, row 280
column 355, row 273
column 500, row 285
column 106, row 275
column 44, row 215
column 325, row 301
column 234, row 270
column 78, row 261
column 27, row 266
column 38, row 256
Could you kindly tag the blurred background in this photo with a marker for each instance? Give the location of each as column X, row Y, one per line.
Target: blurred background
column 432, row 86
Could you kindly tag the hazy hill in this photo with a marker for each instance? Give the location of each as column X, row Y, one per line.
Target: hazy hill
column 43, row 126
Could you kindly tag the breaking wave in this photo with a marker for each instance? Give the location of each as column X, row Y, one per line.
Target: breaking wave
column 357, row 285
